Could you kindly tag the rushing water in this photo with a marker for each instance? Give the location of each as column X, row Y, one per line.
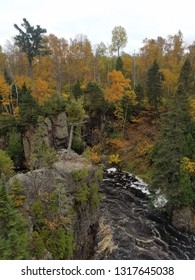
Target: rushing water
column 131, row 229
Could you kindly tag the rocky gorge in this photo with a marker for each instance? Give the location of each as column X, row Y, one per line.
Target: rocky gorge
column 115, row 222
column 74, row 210
column 61, row 206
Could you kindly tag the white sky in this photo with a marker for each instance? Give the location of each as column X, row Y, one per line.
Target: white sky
column 96, row 19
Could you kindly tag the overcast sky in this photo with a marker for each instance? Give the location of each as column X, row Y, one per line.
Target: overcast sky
column 96, row 19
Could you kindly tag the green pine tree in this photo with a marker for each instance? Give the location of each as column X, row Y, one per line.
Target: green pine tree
column 31, row 41
column 77, row 91
column 173, row 145
column 94, row 101
column 29, row 109
column 6, row 165
column 154, row 86
column 119, row 64
column 15, row 148
column 139, row 91
column 14, row 241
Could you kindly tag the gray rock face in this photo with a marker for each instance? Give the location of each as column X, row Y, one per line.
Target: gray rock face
column 184, row 219
column 27, row 142
column 59, row 129
column 55, row 134
column 63, row 181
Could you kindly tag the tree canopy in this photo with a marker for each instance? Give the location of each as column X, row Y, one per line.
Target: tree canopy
column 119, row 38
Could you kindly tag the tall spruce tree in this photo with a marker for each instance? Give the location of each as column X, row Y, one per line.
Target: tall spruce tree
column 77, row 91
column 154, row 86
column 94, row 104
column 13, row 228
column 119, row 65
column 172, row 147
column 14, row 241
column 139, row 91
column 29, row 108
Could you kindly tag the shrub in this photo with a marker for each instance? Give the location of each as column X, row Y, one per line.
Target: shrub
column 92, row 155
column 14, row 237
column 16, row 193
column 6, row 165
column 114, row 159
column 15, row 147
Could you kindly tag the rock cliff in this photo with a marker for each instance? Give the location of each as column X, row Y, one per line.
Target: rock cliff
column 55, row 133
column 61, row 205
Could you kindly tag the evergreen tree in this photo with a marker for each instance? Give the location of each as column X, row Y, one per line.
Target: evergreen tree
column 119, row 64
column 13, row 229
column 139, row 91
column 94, row 102
column 29, row 109
column 31, row 42
column 186, row 80
column 154, row 86
column 77, row 91
column 6, row 165
column 15, row 148
column 173, row 146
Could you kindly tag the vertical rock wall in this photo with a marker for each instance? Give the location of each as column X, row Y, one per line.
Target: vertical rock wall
column 61, row 198
column 55, row 134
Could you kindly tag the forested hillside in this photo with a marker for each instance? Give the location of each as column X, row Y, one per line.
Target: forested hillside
column 133, row 111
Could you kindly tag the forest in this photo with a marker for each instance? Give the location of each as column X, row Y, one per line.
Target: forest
column 132, row 111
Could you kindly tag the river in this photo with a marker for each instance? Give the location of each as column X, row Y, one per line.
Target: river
column 130, row 228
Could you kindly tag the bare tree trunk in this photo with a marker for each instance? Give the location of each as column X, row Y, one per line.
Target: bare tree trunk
column 30, row 68
column 16, row 88
column 124, row 123
column 70, row 138
column 118, row 51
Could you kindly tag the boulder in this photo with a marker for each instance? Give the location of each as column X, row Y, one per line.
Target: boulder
column 184, row 219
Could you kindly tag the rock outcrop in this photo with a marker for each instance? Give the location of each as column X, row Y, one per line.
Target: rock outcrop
column 62, row 198
column 55, row 133
column 59, row 129
column 184, row 219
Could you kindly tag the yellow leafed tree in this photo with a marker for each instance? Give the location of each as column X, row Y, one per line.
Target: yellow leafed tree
column 170, row 81
column 119, row 88
column 120, row 94
column 6, row 101
column 41, row 91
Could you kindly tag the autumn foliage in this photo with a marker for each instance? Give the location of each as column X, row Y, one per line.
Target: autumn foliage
column 119, row 97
